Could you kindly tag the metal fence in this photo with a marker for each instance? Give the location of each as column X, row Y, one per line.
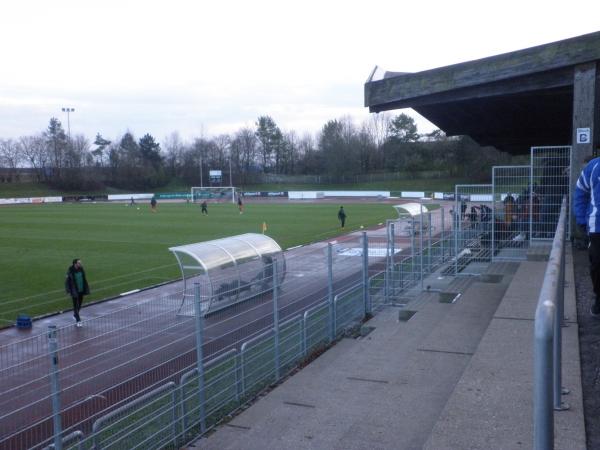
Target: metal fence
column 550, row 182
column 131, row 378
column 417, row 246
column 472, row 224
column 510, row 188
column 549, row 317
column 144, row 376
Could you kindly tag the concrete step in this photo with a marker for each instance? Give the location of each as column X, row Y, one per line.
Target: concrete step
column 492, row 407
column 385, row 390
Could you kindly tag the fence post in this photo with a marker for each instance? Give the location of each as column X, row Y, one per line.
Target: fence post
column 558, row 324
column 238, row 378
column 429, row 259
column 55, row 386
column 276, row 318
column 365, row 253
column 543, row 424
column 421, row 246
column 305, row 333
column 412, row 248
column 442, row 236
column 386, row 281
column 200, row 354
column 392, row 254
column 332, row 318
column 456, row 225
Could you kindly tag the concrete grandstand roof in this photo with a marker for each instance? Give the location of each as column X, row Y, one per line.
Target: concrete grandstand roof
column 511, row 101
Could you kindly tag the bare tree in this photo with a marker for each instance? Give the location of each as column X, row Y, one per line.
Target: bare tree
column 174, row 148
column 377, row 126
column 35, row 152
column 244, row 151
column 10, row 157
column 223, row 148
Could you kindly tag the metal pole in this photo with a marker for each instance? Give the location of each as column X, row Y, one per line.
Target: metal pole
column 558, row 324
column 493, row 216
column 442, row 237
column 429, row 265
column 412, row 248
column 421, row 245
column 392, row 253
column 332, row 330
column 456, row 226
column 199, row 354
column 55, row 386
column 276, row 318
column 543, row 414
column 365, row 253
column 386, row 280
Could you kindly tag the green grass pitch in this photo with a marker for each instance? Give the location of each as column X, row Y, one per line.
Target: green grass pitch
column 125, row 248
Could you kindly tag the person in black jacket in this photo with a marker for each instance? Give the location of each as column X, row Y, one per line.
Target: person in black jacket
column 76, row 286
column 342, row 216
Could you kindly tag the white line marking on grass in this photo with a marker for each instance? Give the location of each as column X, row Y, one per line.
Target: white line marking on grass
column 129, row 292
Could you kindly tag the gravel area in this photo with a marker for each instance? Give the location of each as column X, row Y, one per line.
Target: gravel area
column 589, row 341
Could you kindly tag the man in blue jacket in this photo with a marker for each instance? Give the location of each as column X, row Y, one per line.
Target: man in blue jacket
column 587, row 215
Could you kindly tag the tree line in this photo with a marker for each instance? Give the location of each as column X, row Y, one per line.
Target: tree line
column 341, row 149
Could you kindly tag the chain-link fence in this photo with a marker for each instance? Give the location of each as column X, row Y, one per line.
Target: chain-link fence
column 472, row 224
column 550, row 182
column 510, row 188
column 132, row 378
column 150, row 376
column 417, row 245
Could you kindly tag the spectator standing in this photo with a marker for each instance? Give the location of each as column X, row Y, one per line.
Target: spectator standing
column 342, row 216
column 587, row 215
column 76, row 286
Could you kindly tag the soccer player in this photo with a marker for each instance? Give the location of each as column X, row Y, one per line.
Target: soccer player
column 342, row 216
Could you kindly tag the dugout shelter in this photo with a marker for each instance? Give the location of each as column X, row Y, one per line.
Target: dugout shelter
column 413, row 218
column 229, row 271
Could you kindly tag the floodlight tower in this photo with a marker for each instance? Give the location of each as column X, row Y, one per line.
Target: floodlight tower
column 68, row 111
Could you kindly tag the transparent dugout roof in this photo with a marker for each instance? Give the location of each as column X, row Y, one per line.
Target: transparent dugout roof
column 410, row 209
column 229, row 270
column 223, row 252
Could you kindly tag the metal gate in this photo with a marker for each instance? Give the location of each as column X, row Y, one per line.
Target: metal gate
column 510, row 227
column 550, row 181
column 472, row 221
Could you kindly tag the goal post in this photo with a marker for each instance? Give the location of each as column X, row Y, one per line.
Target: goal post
column 213, row 194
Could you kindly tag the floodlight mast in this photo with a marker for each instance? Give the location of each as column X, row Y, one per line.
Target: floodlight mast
column 68, row 110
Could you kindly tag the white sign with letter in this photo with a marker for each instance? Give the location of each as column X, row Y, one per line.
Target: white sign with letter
column 583, row 135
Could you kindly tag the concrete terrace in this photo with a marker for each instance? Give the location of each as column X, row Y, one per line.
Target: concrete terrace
column 455, row 376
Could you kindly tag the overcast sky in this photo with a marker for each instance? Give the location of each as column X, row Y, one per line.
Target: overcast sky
column 205, row 67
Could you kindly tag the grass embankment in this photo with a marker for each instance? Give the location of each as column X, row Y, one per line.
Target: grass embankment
column 125, row 248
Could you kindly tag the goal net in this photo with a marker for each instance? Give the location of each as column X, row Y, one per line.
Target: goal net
column 213, row 194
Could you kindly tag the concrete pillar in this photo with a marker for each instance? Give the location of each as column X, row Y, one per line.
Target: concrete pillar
column 586, row 114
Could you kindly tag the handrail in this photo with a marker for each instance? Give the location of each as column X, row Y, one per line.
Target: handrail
column 547, row 341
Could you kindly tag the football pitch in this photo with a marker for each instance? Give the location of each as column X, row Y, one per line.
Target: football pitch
column 126, row 247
